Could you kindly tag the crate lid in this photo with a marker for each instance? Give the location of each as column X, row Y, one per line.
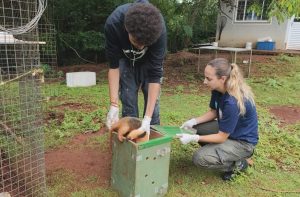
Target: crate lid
column 168, row 133
column 172, row 130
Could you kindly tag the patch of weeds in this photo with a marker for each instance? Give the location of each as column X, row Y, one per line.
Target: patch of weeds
column 54, row 137
column 276, row 146
column 92, row 179
column 60, row 131
column 273, row 83
column 172, row 116
column 293, row 129
column 285, row 58
column 60, row 183
column 65, row 183
column 190, row 77
column 270, row 91
column 193, row 88
column 179, row 89
column 107, row 192
column 57, row 134
column 182, row 152
column 199, row 76
column 100, row 116
column 51, row 73
column 88, row 122
column 286, row 67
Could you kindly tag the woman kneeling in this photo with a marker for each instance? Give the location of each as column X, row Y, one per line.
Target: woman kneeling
column 229, row 131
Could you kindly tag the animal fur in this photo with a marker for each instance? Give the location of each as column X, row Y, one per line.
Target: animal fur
column 127, row 127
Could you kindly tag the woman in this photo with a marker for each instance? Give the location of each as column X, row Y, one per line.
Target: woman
column 231, row 139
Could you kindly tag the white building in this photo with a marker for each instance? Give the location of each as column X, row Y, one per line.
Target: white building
column 246, row 26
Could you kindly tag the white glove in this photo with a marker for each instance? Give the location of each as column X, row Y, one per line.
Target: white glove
column 112, row 116
column 187, row 138
column 189, row 124
column 145, row 124
column 145, row 127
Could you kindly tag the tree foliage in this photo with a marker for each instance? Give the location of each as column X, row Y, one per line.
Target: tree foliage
column 80, row 23
column 281, row 9
column 188, row 21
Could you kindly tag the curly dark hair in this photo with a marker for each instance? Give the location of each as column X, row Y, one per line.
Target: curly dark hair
column 144, row 22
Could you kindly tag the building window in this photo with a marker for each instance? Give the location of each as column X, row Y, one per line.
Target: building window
column 244, row 14
column 297, row 19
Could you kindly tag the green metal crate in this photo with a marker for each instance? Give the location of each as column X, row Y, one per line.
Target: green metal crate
column 142, row 169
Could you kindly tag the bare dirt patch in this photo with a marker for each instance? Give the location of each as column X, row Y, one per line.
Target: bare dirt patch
column 185, row 68
column 286, row 114
column 84, row 67
column 84, row 161
column 75, row 107
column 54, row 116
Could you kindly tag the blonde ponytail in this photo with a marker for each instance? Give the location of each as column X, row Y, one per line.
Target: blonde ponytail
column 235, row 84
column 237, row 88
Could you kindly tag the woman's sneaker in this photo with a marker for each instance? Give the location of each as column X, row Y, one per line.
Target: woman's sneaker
column 240, row 166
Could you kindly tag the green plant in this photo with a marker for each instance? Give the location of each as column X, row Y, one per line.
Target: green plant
column 273, row 83
column 286, row 59
column 60, row 74
column 179, row 89
column 46, row 69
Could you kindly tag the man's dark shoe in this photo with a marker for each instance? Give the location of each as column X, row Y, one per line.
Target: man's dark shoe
column 240, row 166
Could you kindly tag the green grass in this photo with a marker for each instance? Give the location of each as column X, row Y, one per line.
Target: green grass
column 177, row 108
column 269, row 90
column 74, row 120
column 65, row 183
column 279, row 83
column 277, row 156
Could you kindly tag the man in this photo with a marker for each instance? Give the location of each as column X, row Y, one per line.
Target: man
column 135, row 47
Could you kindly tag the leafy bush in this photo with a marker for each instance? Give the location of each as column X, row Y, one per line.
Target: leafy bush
column 49, row 72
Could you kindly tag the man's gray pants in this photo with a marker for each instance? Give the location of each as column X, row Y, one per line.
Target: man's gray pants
column 222, row 156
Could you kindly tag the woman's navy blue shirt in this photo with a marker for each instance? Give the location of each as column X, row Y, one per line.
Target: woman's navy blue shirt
column 238, row 127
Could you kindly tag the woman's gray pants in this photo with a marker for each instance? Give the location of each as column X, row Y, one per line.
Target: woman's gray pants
column 222, row 156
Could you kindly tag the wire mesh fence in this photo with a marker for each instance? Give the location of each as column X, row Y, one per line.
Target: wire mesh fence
column 48, row 57
column 22, row 163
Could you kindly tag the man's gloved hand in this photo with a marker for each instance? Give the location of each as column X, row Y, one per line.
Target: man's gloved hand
column 187, row 138
column 145, row 127
column 112, row 116
column 189, row 124
column 146, row 124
